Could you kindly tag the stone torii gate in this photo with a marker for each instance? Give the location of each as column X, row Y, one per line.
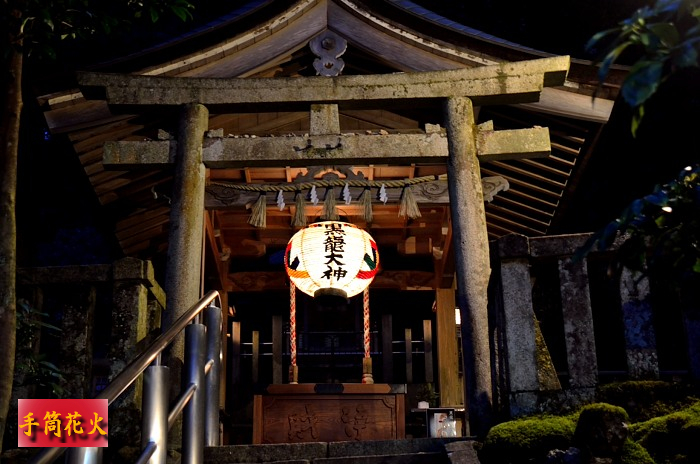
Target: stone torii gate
column 462, row 147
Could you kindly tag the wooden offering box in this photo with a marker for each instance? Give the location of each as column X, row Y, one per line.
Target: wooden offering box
column 329, row 412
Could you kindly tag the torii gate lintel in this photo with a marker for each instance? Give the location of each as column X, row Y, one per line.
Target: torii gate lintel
column 503, row 83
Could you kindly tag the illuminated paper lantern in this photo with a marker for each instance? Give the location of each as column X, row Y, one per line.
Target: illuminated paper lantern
column 331, row 258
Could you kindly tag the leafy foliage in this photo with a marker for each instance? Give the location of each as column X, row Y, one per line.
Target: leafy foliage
column 661, row 230
column 31, row 367
column 664, row 38
column 42, row 24
column 426, row 392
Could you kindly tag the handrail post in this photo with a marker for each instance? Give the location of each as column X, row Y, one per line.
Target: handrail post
column 213, row 320
column 150, row 356
column 154, row 418
column 193, row 415
column 91, row 455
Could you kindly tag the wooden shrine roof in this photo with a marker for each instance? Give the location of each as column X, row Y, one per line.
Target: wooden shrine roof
column 263, row 40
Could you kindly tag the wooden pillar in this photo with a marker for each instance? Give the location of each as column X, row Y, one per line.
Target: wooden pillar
column 256, row 356
column 387, row 349
column 224, row 349
column 234, row 363
column 428, row 350
column 182, row 279
column 277, row 337
column 472, row 263
column 451, row 393
column 408, row 343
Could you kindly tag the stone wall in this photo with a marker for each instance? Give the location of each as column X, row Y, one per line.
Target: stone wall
column 106, row 315
column 547, row 349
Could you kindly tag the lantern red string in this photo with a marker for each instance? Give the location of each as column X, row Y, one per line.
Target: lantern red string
column 365, row 300
column 293, row 323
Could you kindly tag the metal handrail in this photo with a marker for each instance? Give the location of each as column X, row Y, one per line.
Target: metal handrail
column 150, row 356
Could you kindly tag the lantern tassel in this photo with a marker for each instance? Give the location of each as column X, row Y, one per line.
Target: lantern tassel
column 299, row 218
column 409, row 206
column 258, row 214
column 330, row 212
column 366, row 202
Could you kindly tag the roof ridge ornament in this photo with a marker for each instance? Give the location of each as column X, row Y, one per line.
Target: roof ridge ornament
column 328, row 47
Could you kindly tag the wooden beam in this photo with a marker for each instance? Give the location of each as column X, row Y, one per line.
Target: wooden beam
column 445, row 266
column 277, row 280
column 214, row 252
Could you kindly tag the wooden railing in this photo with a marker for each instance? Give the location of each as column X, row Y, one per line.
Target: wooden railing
column 337, row 354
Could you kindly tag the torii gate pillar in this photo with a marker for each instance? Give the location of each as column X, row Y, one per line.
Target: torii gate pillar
column 470, row 244
column 184, row 261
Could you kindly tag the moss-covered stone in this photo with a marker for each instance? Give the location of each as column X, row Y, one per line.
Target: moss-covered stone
column 645, row 399
column 546, row 373
column 601, row 430
column 526, row 440
column 673, row 438
column 530, row 440
column 634, row 453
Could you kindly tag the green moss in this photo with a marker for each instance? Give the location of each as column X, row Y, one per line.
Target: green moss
column 601, row 430
column 527, row 439
column 592, row 413
column 645, row 399
column 598, row 409
column 672, row 438
column 634, row 453
column 546, row 373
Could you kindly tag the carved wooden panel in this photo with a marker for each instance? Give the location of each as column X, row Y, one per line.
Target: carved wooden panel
column 312, row 417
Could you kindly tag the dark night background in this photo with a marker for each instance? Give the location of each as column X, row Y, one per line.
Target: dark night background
column 60, row 222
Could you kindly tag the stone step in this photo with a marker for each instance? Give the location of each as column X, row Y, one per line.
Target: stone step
column 408, row 451
column 421, row 458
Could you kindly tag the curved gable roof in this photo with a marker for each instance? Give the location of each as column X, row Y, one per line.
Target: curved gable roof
column 381, row 38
